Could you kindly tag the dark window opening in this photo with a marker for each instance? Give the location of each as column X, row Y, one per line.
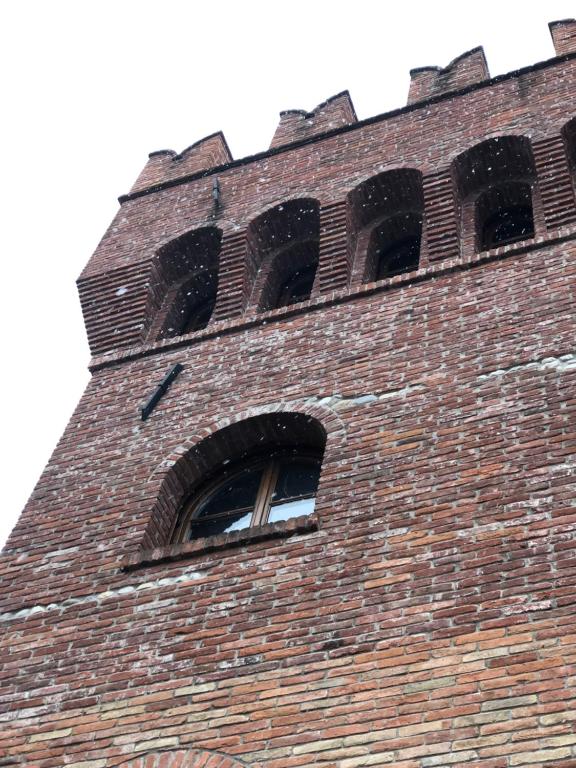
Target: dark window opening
column 504, row 215
column 283, row 248
column 495, row 181
column 263, row 490
column 193, row 305
column 385, row 220
column 297, row 287
column 507, row 226
column 291, row 276
column 394, row 247
column 199, row 316
column 399, row 258
column 184, row 283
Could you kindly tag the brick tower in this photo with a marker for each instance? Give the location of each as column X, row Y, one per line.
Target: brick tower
column 316, row 505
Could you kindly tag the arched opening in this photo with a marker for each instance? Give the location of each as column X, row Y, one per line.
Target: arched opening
column 187, row 283
column 283, row 245
column 394, row 246
column 261, row 470
column 496, row 180
column 385, row 215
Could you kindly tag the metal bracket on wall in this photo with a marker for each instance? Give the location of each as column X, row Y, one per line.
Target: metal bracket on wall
column 147, row 409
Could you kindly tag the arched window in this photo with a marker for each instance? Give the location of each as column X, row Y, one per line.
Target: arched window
column 187, row 282
column 193, row 305
column 284, row 246
column 263, row 489
column 385, row 215
column 496, row 180
column 260, row 470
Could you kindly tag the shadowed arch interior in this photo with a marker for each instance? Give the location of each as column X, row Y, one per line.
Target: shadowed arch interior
column 495, row 180
column 385, row 219
column 283, row 250
column 186, row 282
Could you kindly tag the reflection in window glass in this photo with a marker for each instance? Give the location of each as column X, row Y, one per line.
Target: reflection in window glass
column 288, row 509
column 296, row 478
column 225, row 524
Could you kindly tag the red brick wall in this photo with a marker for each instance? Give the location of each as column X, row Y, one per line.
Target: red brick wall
column 426, row 617
column 114, row 287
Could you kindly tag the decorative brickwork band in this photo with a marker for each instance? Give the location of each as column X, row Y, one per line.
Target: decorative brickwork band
column 333, row 267
column 115, row 307
column 555, row 183
column 184, row 758
column 441, row 223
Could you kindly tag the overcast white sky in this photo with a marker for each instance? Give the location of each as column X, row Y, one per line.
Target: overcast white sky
column 90, row 88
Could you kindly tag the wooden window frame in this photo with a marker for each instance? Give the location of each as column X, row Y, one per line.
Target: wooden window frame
column 263, row 503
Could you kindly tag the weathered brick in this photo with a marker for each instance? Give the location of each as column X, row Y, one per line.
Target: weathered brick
column 423, row 614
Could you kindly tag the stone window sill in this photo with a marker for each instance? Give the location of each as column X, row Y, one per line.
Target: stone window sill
column 280, row 530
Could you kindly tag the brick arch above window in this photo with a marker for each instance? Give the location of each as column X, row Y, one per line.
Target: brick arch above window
column 184, row 758
column 306, row 424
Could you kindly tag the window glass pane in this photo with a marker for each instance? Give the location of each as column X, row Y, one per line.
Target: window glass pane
column 214, row 526
column 296, row 478
column 239, row 492
column 288, row 509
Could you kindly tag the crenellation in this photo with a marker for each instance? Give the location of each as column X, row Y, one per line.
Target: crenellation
column 165, row 165
column 297, row 124
column 563, row 35
column 467, row 69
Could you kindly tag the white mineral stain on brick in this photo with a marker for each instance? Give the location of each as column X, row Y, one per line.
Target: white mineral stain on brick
column 560, row 364
column 337, row 400
column 100, row 596
column 527, row 607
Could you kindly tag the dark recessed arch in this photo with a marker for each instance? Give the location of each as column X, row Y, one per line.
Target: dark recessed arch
column 569, row 137
column 185, row 282
column 385, row 222
column 496, row 182
column 283, row 251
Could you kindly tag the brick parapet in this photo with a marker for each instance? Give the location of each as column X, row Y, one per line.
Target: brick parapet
column 469, row 68
column 117, row 306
